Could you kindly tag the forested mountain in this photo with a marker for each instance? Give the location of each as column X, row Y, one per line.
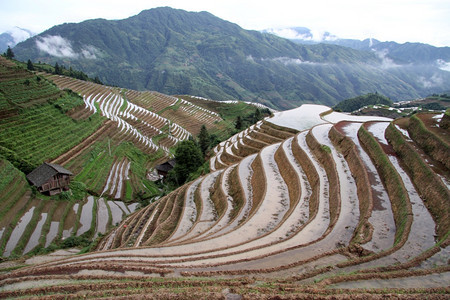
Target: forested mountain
column 178, row 52
column 407, row 53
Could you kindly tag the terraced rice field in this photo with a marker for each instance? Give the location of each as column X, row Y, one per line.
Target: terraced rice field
column 36, row 223
column 309, row 203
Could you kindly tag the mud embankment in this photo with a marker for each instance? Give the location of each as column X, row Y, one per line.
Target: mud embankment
column 445, row 121
column 228, row 158
column 246, row 150
column 264, row 137
column 432, row 144
column 433, row 192
column 364, row 229
column 236, row 192
column 311, row 174
column 401, row 207
column 326, row 160
column 248, row 140
column 280, row 128
column 218, row 197
column 290, row 177
column 268, row 129
column 167, row 228
column 258, row 184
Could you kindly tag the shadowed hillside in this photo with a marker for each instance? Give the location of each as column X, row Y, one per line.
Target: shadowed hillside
column 177, row 52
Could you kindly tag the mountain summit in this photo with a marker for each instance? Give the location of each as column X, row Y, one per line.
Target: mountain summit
column 178, row 52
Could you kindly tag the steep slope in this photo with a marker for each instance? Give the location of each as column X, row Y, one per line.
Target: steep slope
column 178, row 52
column 108, row 137
column 333, row 207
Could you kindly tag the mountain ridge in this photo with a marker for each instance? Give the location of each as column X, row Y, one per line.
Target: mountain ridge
column 408, row 52
column 178, row 52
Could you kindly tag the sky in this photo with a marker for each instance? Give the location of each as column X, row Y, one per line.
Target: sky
column 425, row 21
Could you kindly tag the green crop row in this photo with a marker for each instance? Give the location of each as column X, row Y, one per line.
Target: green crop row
column 49, row 133
column 392, row 181
column 430, row 187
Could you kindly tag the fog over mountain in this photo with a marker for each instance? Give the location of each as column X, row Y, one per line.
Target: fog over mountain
column 178, row 52
column 14, row 36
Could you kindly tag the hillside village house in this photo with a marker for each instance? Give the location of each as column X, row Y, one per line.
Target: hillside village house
column 163, row 169
column 50, row 178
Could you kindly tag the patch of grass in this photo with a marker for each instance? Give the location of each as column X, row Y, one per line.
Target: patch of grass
column 325, row 148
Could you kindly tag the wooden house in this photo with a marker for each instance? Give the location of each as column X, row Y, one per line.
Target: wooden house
column 50, row 178
column 164, row 168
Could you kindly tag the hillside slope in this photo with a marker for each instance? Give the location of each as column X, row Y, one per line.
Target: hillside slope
column 178, row 52
column 335, row 205
column 109, row 138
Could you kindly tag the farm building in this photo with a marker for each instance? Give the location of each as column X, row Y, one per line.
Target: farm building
column 164, row 168
column 50, row 178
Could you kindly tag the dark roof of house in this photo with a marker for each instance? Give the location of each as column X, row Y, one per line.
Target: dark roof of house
column 44, row 172
column 167, row 166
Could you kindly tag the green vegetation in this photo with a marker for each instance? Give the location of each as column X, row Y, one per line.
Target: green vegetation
column 36, row 126
column 431, row 143
column 230, row 113
column 178, row 52
column 430, row 187
column 392, row 181
column 325, row 148
column 444, row 96
column 9, row 54
column 189, row 158
column 204, row 139
column 356, row 103
column 58, row 70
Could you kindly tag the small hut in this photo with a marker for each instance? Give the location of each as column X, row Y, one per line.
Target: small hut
column 163, row 169
column 50, row 178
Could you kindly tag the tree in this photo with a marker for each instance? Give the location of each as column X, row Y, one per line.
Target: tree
column 203, row 139
column 9, row 53
column 30, row 65
column 58, row 69
column 189, row 158
column 238, row 124
column 257, row 115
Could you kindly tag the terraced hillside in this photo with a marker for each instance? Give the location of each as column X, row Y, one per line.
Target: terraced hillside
column 109, row 138
column 308, row 203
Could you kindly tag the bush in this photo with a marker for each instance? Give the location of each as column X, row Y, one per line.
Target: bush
column 75, row 241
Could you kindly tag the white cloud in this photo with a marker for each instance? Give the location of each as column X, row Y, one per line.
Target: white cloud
column 386, row 62
column 89, row 52
column 293, row 61
column 311, row 35
column 443, row 65
column 58, row 46
column 433, row 81
column 19, row 34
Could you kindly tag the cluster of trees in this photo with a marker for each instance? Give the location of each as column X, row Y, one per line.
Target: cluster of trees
column 356, row 103
column 58, row 69
column 445, row 95
column 192, row 155
column 191, row 158
column 9, row 54
column 252, row 118
column 61, row 70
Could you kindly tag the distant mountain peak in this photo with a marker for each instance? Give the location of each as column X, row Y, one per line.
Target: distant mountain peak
column 13, row 36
